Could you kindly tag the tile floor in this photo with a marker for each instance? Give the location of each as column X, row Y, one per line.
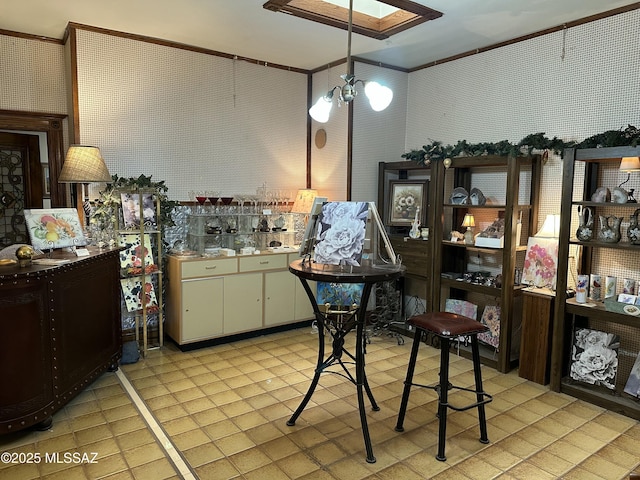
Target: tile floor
column 221, row 412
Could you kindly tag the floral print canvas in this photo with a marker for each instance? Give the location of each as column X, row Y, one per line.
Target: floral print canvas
column 461, row 307
column 541, row 262
column 134, row 293
column 339, row 294
column 134, row 253
column 633, row 382
column 594, row 357
column 341, row 233
column 491, row 318
column 131, row 210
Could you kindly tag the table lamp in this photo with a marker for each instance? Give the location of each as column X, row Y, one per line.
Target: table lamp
column 83, row 165
column 629, row 164
column 468, row 222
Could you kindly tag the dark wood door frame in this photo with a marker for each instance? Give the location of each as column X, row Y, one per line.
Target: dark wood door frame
column 51, row 124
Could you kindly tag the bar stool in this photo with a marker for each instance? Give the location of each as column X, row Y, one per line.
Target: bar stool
column 448, row 327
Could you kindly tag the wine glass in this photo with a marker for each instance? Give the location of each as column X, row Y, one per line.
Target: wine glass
column 213, row 199
column 201, row 198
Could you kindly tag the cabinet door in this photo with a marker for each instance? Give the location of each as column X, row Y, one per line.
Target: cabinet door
column 279, row 297
column 242, row 302
column 302, row 308
column 202, row 308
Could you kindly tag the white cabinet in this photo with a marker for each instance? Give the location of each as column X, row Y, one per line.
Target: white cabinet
column 202, row 313
column 242, row 303
column 209, row 298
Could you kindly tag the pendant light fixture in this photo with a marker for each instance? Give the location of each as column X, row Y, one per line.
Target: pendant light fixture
column 379, row 95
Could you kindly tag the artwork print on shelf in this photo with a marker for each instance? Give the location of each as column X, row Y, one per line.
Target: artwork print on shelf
column 339, row 294
column 341, row 233
column 405, row 198
column 632, row 387
column 541, row 262
column 491, row 318
column 54, row 228
column 131, row 210
column 594, row 357
column 134, row 253
column 134, row 292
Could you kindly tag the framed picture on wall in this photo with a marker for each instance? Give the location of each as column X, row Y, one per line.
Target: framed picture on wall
column 46, row 189
column 405, row 196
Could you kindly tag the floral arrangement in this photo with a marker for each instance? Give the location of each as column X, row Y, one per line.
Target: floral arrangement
column 535, row 141
column 595, row 357
column 405, row 204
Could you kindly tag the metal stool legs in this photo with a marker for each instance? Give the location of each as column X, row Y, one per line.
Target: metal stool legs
column 442, row 389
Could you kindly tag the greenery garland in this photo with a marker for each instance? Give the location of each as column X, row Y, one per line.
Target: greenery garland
column 630, row 136
column 108, row 205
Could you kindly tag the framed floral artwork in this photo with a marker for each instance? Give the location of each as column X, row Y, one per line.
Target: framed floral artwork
column 131, row 210
column 135, row 293
column 341, row 233
column 54, row 228
column 405, row 197
column 594, row 357
column 461, row 307
column 134, row 254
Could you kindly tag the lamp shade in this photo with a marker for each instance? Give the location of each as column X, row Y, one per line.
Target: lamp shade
column 304, row 201
column 630, row 164
column 550, row 227
column 321, row 110
column 84, row 164
column 468, row 221
column 379, row 96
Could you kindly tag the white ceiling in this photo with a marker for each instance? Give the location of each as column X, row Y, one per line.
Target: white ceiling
column 244, row 28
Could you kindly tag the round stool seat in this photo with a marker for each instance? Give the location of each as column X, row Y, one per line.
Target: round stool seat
column 445, row 324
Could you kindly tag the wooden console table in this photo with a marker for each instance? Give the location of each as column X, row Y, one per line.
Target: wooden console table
column 60, row 329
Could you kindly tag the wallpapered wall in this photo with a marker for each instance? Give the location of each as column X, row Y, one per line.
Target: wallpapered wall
column 196, row 121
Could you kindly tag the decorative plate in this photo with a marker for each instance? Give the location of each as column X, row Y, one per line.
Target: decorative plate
column 631, row 310
column 459, row 196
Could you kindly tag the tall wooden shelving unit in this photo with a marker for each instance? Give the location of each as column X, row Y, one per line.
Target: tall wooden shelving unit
column 583, row 170
column 455, row 257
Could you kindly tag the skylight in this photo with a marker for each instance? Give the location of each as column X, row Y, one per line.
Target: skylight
column 376, row 19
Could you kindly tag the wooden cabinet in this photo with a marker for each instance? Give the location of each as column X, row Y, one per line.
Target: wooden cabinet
column 535, row 344
column 416, row 254
column 584, row 172
column 60, row 329
column 211, row 298
column 480, row 274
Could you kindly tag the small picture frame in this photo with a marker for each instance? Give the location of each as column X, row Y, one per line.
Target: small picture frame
column 131, row 210
column 405, row 196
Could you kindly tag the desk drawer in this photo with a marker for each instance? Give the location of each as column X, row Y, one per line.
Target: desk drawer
column 263, row 262
column 209, row 268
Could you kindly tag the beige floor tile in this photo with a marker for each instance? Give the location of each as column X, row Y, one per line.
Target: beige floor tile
column 156, row 470
column 221, row 469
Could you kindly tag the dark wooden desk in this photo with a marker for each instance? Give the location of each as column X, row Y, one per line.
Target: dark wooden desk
column 60, row 329
column 338, row 324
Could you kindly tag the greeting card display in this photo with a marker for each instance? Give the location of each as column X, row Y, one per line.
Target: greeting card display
column 341, row 233
column 594, row 357
column 135, row 293
column 134, row 254
column 131, row 210
column 54, row 228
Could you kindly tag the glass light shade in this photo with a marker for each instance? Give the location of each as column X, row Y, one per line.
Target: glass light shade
column 321, row 110
column 550, row 227
column 84, row 164
column 304, row 200
column 379, row 96
column 468, row 221
column 630, row 164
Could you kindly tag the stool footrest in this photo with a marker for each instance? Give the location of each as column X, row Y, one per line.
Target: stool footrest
column 486, row 397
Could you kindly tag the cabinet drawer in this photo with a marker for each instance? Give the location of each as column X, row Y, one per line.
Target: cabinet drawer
column 209, row 268
column 263, row 262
